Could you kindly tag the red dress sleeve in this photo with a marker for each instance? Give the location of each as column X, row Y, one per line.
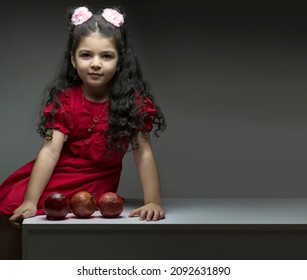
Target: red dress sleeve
column 63, row 120
column 147, row 110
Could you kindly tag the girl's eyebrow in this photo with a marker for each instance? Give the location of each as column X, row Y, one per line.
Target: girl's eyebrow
column 84, row 50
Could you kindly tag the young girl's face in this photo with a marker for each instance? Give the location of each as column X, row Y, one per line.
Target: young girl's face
column 96, row 60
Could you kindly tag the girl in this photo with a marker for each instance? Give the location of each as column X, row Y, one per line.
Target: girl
column 96, row 106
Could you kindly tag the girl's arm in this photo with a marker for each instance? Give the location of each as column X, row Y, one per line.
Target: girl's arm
column 150, row 181
column 40, row 176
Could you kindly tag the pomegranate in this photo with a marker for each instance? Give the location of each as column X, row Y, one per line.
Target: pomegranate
column 56, row 206
column 83, row 204
column 110, row 205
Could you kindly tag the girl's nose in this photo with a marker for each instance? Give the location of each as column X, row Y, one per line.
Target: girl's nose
column 96, row 63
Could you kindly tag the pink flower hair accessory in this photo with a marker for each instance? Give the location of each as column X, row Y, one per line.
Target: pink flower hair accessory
column 81, row 15
column 114, row 17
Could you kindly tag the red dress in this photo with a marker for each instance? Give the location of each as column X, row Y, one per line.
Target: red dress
column 84, row 163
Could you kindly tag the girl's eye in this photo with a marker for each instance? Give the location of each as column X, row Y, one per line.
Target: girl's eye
column 85, row 55
column 107, row 56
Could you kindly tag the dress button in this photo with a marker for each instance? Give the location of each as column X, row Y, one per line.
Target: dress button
column 95, row 119
column 87, row 141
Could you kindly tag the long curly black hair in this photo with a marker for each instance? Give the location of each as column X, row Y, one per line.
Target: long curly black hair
column 124, row 119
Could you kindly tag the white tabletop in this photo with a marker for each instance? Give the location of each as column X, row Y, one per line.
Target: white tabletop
column 204, row 212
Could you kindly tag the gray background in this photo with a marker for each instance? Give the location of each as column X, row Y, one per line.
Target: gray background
column 230, row 77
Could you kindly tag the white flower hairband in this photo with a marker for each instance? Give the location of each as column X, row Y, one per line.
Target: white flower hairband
column 82, row 14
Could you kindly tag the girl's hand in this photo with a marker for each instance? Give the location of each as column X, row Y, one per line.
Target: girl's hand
column 24, row 211
column 149, row 212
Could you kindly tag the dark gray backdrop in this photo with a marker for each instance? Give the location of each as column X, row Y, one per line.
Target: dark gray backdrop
column 230, row 77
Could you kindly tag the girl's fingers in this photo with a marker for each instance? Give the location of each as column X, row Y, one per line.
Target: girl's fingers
column 149, row 215
column 135, row 212
column 143, row 215
column 161, row 215
column 16, row 220
column 156, row 216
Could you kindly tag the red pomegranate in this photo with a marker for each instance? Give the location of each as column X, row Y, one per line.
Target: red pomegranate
column 110, row 205
column 83, row 204
column 56, row 206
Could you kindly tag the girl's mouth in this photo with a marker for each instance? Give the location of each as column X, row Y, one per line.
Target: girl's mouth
column 95, row 74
